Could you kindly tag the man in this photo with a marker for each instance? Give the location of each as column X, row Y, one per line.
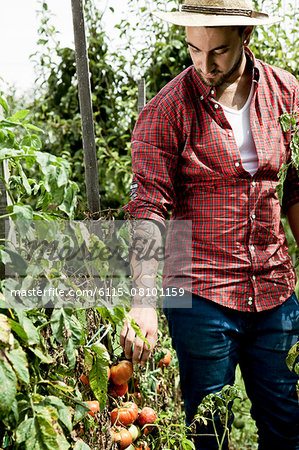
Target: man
column 209, row 147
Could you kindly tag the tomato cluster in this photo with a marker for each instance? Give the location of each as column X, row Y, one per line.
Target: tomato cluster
column 128, row 422
column 127, row 419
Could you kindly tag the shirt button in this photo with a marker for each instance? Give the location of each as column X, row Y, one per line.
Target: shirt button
column 253, row 277
column 237, row 164
column 230, row 133
column 253, row 183
column 250, row 302
column 252, row 247
column 212, row 92
column 253, row 216
column 201, row 97
column 216, row 106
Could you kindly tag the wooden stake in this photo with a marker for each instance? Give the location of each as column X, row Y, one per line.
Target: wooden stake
column 141, row 95
column 89, row 148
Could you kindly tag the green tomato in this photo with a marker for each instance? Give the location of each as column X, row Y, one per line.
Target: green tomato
column 134, row 432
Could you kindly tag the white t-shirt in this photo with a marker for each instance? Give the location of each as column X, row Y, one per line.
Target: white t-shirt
column 239, row 120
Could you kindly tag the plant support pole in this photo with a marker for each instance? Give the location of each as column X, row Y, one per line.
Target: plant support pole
column 89, row 147
column 141, row 95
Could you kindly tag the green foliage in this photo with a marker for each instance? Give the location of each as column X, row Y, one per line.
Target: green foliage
column 38, row 181
column 292, row 357
column 44, row 351
column 114, row 105
column 218, row 404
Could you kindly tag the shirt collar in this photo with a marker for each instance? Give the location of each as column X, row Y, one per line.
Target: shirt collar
column 209, row 91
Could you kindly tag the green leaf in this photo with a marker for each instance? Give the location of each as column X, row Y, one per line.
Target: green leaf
column 29, row 126
column 15, row 262
column 62, row 410
column 8, row 123
column 20, row 115
column 4, row 104
column 101, row 351
column 88, row 359
column 5, row 330
column 42, row 432
column 98, row 377
column 60, row 385
column 292, row 356
column 18, row 359
column 24, row 178
column 22, row 213
column 69, row 199
column 8, row 388
column 44, row 357
column 25, row 430
column 80, row 413
column 67, row 330
column 36, row 142
column 31, row 330
column 26, row 141
column 80, row 445
column 19, row 330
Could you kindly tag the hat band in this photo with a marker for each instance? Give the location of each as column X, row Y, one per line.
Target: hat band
column 213, row 10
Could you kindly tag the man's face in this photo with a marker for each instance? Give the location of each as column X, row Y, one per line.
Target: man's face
column 217, row 53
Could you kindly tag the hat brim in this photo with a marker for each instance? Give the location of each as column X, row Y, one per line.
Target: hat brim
column 210, row 20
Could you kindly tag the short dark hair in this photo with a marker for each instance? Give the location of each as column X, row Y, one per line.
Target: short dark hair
column 241, row 29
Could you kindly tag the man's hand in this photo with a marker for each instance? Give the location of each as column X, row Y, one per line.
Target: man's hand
column 146, row 319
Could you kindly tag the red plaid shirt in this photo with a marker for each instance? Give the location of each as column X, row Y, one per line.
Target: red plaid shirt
column 185, row 159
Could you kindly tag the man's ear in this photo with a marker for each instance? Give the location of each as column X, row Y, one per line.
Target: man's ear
column 247, row 34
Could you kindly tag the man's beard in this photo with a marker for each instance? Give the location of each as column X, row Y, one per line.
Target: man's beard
column 225, row 76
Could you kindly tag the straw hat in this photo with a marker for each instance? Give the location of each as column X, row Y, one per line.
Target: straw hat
column 202, row 13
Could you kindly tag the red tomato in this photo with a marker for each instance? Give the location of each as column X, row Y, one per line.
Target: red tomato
column 142, row 447
column 84, row 379
column 147, row 430
column 108, row 372
column 125, row 415
column 94, row 407
column 146, row 416
column 118, row 390
column 121, row 436
column 164, row 362
column 122, row 372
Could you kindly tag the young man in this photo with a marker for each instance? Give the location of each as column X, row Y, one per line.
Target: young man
column 209, row 147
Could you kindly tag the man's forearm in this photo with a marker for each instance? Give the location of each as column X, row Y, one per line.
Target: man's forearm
column 293, row 218
column 145, row 254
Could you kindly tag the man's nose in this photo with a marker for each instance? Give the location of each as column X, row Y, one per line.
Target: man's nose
column 206, row 64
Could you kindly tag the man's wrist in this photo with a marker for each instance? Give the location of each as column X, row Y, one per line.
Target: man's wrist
column 148, row 301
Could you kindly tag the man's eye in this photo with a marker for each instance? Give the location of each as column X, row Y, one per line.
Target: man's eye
column 220, row 52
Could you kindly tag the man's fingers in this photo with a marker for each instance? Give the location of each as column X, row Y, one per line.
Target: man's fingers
column 147, row 350
column 138, row 349
column 129, row 340
column 123, row 334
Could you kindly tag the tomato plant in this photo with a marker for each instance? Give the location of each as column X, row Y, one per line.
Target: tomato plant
column 118, row 390
column 121, row 436
column 121, row 372
column 84, row 379
column 165, row 361
column 135, row 432
column 94, row 407
column 146, row 416
column 124, row 415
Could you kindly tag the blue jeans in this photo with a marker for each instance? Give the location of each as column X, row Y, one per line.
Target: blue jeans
column 210, row 340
